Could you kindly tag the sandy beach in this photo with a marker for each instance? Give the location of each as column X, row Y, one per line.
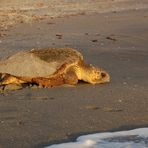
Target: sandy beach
column 114, row 40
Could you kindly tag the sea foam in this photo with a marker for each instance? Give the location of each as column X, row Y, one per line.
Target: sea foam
column 137, row 138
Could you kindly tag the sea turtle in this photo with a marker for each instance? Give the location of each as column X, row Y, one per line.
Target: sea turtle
column 49, row 67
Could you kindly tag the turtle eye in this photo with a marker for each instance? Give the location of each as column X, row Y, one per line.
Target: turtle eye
column 103, row 74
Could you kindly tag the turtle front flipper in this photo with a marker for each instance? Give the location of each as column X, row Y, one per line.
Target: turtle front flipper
column 57, row 80
column 71, row 78
column 48, row 82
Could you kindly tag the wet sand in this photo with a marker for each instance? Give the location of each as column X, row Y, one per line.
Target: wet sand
column 116, row 41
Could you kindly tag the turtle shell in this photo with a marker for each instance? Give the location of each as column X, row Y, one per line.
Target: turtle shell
column 39, row 62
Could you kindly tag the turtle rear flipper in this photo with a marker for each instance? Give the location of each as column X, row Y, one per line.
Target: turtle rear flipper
column 3, row 78
column 9, row 82
column 13, row 87
column 6, row 79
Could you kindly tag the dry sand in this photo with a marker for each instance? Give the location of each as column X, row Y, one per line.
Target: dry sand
column 19, row 11
column 116, row 41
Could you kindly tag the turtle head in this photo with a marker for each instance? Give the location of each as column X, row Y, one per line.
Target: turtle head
column 96, row 75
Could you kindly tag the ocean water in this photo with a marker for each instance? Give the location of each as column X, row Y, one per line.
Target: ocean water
column 137, row 138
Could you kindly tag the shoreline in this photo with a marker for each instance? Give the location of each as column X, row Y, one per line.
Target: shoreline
column 132, row 138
